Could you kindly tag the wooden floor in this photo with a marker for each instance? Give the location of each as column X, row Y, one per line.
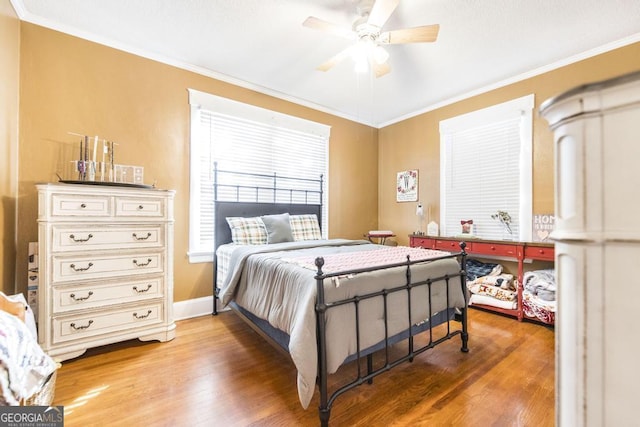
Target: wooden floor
column 218, row 372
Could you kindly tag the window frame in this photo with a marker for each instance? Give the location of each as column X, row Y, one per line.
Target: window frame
column 521, row 108
column 198, row 100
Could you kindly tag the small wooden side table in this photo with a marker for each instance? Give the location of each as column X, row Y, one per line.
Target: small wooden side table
column 381, row 236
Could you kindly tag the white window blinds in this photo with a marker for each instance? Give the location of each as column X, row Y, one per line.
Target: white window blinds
column 245, row 138
column 486, row 168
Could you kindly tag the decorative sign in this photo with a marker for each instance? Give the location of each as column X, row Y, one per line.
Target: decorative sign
column 543, row 225
column 407, row 186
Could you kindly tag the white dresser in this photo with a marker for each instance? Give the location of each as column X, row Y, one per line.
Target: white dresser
column 106, row 266
column 597, row 206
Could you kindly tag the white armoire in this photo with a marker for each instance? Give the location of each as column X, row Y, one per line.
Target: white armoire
column 597, row 245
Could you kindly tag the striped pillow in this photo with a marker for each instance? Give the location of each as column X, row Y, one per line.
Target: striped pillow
column 247, row 231
column 305, row 227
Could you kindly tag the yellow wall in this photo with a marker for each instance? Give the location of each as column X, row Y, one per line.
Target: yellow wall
column 9, row 84
column 73, row 85
column 415, row 143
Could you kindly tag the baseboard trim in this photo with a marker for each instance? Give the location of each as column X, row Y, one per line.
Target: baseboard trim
column 193, row 308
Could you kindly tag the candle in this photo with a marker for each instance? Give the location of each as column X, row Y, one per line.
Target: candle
column 86, row 157
column 112, row 169
column 105, row 149
column 79, row 165
column 95, row 148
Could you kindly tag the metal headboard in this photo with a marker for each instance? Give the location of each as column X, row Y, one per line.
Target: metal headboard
column 246, row 194
column 250, row 194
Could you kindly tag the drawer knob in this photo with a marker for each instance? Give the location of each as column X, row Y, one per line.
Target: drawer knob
column 142, row 264
column 75, row 298
column 73, row 266
column 83, row 206
column 135, row 236
column 142, row 316
column 140, row 291
column 80, row 239
column 79, row 328
column 140, row 207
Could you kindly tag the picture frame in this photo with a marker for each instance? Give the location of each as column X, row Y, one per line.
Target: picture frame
column 407, row 186
column 543, row 225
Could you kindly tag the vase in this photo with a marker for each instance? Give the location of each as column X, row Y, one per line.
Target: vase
column 507, row 234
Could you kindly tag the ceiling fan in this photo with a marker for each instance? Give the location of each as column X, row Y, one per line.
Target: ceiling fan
column 367, row 32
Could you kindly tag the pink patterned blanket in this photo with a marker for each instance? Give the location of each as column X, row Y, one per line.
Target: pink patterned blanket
column 381, row 256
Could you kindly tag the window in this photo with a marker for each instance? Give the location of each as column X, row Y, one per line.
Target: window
column 486, row 167
column 242, row 137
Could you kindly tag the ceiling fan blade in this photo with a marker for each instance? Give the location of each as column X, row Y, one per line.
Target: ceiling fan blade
column 427, row 33
column 381, row 11
column 381, row 69
column 335, row 60
column 328, row 27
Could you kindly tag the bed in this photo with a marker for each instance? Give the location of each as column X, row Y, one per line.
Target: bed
column 327, row 302
column 27, row 373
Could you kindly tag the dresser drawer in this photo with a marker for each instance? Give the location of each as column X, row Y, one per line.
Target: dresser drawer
column 495, row 249
column 69, row 298
column 104, row 322
column 68, row 238
column 421, row 242
column 448, row 245
column 135, row 207
column 65, row 205
column 539, row 253
column 104, row 267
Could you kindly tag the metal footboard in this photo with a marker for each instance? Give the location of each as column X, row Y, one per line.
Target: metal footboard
column 322, row 307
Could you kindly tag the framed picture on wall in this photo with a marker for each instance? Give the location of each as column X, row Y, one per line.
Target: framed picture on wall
column 407, row 186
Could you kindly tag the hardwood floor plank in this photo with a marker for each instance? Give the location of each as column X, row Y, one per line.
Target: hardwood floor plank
column 218, row 372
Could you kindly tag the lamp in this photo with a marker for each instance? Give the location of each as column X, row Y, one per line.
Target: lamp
column 380, row 55
column 432, row 226
column 367, row 51
column 420, row 215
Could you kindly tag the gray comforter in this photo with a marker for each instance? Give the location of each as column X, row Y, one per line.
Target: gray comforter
column 284, row 294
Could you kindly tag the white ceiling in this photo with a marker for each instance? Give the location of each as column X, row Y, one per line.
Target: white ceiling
column 262, row 45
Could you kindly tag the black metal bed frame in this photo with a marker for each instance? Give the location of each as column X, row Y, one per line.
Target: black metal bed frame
column 255, row 208
column 326, row 399
column 262, row 197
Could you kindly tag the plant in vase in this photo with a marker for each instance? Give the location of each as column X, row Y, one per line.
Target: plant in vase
column 505, row 220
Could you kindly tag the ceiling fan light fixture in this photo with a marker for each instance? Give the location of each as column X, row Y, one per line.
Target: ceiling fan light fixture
column 361, row 54
column 361, row 67
column 380, row 55
column 367, row 52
